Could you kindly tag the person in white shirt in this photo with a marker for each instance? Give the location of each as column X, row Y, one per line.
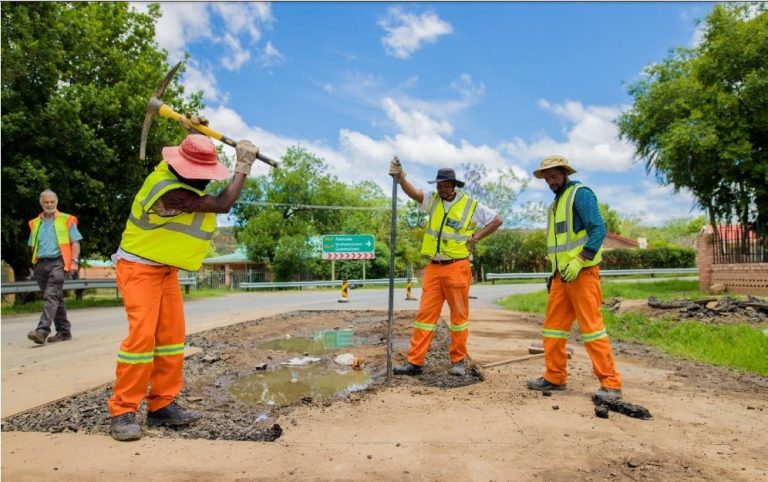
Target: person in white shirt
column 450, row 235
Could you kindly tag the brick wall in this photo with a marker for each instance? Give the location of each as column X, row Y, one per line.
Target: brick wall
column 745, row 279
column 704, row 257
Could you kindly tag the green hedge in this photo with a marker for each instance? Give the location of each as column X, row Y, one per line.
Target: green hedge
column 670, row 257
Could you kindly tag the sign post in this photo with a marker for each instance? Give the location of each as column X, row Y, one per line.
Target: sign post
column 348, row 246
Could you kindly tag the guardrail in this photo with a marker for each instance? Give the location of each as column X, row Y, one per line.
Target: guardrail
column 603, row 272
column 78, row 284
column 353, row 283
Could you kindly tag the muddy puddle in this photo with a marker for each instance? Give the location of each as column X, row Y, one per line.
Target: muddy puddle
column 249, row 376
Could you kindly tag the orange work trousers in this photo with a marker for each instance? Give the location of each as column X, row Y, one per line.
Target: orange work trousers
column 579, row 299
column 442, row 282
column 152, row 355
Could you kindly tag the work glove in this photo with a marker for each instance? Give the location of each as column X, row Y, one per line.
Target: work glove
column 187, row 120
column 571, row 270
column 396, row 169
column 472, row 243
column 246, row 154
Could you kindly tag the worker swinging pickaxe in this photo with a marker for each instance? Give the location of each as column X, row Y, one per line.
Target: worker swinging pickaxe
column 157, row 107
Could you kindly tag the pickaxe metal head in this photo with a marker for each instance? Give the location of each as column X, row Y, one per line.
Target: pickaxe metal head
column 153, row 107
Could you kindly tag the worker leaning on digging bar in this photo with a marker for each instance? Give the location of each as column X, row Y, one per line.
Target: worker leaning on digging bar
column 170, row 227
column 450, row 236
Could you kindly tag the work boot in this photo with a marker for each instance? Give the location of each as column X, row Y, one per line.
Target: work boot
column 459, row 368
column 59, row 337
column 541, row 385
column 407, row 369
column 37, row 336
column 607, row 394
column 172, row 415
column 124, row 427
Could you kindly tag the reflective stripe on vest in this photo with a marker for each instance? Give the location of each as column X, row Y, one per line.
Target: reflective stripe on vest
column 563, row 244
column 61, row 224
column 448, row 233
column 182, row 240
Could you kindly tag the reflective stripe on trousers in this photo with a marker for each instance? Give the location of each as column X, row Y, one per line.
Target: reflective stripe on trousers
column 152, row 355
column 447, row 282
column 580, row 299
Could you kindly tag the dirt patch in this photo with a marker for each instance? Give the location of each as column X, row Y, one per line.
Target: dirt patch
column 725, row 310
column 229, row 354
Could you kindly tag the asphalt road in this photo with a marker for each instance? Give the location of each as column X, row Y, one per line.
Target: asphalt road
column 36, row 374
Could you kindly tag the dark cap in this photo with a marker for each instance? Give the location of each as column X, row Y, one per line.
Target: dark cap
column 447, row 174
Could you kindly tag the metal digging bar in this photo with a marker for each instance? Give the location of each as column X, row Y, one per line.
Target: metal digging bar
column 392, row 239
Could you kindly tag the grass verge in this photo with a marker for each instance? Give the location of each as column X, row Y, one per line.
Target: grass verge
column 740, row 346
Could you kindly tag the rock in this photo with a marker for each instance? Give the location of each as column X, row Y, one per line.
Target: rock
column 718, row 288
column 634, row 462
column 712, row 305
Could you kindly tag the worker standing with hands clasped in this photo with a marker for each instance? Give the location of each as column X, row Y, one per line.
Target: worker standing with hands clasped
column 170, row 227
column 450, row 235
column 575, row 234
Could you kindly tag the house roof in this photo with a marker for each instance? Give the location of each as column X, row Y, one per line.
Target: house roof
column 622, row 240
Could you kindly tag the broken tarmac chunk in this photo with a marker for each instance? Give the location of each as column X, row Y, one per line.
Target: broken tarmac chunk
column 628, row 409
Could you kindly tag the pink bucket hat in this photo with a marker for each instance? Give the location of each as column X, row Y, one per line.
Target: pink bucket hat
column 196, row 158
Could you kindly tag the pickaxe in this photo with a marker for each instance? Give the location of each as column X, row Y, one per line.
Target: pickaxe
column 157, row 107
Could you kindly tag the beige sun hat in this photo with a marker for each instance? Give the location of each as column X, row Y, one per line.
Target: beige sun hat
column 553, row 161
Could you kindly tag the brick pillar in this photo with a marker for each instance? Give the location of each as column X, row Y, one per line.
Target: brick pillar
column 704, row 257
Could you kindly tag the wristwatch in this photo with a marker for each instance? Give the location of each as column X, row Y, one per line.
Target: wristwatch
column 75, row 260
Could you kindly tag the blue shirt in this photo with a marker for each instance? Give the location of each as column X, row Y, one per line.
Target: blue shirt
column 586, row 215
column 47, row 244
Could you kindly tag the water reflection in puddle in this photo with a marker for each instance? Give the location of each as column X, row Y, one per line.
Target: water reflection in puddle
column 323, row 341
column 290, row 384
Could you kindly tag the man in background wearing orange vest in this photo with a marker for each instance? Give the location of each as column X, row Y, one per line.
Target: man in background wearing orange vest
column 450, row 235
column 170, row 227
column 575, row 234
column 55, row 243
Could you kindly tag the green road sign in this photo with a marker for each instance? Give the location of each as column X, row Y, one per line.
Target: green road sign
column 348, row 246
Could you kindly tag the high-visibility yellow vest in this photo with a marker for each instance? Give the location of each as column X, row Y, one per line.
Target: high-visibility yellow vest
column 61, row 225
column 448, row 233
column 562, row 243
column 182, row 240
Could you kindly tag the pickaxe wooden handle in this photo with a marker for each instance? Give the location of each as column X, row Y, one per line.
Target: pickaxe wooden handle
column 163, row 110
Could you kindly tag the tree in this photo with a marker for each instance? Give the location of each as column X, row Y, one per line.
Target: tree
column 500, row 193
column 76, row 78
column 700, row 118
column 285, row 211
column 611, row 217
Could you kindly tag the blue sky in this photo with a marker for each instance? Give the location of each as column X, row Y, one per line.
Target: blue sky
column 437, row 84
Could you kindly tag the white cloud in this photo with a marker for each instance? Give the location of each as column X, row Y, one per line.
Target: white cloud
column 237, row 55
column 270, row 56
column 245, row 17
column 197, row 78
column 407, row 32
column 227, row 24
column 652, row 203
column 591, row 139
column 180, row 24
